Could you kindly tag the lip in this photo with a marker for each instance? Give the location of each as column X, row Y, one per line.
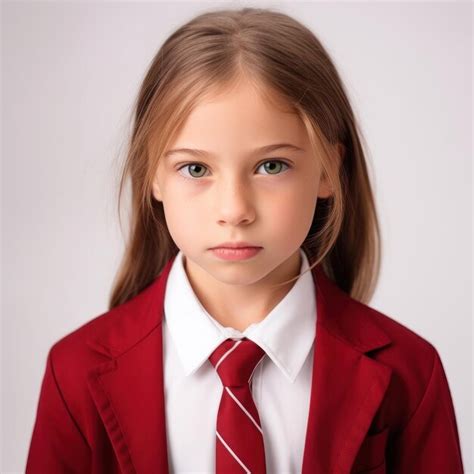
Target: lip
column 235, row 245
column 240, row 253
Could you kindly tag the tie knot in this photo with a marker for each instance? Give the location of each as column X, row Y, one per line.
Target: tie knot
column 235, row 361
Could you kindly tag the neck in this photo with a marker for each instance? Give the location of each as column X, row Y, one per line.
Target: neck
column 239, row 306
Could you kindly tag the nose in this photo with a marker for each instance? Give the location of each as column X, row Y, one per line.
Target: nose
column 235, row 203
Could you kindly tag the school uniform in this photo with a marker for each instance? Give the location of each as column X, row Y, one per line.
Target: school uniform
column 341, row 388
column 281, row 383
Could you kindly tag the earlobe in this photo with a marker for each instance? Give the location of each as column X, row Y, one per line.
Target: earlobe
column 156, row 191
column 325, row 189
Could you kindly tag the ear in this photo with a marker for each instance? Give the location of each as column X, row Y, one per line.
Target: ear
column 325, row 189
column 156, row 189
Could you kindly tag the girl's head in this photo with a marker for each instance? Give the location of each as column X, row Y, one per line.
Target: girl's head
column 228, row 83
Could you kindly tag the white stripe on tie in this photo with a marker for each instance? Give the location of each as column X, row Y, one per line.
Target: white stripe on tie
column 232, row 452
column 243, row 408
column 251, row 375
column 228, row 352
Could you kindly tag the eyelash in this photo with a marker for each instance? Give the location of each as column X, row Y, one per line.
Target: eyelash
column 200, row 164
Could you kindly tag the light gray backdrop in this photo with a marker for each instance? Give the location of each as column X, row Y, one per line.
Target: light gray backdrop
column 70, row 72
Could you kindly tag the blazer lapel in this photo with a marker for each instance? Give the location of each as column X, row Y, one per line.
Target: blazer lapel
column 128, row 389
column 347, row 385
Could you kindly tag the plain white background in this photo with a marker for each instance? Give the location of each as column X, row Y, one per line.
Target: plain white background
column 70, row 72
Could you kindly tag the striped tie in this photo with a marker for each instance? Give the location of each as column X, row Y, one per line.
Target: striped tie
column 239, row 442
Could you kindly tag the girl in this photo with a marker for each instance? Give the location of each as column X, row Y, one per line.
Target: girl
column 238, row 337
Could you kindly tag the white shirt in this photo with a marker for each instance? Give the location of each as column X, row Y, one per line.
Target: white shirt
column 281, row 385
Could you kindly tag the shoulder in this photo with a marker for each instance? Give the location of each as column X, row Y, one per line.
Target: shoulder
column 414, row 360
column 71, row 358
column 101, row 338
column 110, row 333
column 405, row 341
column 97, row 339
column 379, row 334
column 115, row 330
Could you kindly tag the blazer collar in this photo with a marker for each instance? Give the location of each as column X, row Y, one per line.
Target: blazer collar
column 348, row 385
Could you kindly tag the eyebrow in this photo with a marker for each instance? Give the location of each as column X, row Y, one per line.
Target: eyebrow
column 264, row 149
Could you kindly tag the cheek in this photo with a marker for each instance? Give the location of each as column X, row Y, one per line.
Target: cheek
column 182, row 218
column 292, row 211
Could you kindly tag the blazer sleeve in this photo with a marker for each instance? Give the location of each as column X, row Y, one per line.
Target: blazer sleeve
column 57, row 445
column 429, row 442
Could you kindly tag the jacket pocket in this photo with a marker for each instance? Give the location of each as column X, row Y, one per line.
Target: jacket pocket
column 370, row 458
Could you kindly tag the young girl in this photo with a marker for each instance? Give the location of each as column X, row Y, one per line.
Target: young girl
column 238, row 337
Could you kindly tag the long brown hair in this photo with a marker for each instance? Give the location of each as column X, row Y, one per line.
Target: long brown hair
column 289, row 65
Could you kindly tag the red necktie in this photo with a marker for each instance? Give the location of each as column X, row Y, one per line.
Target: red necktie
column 239, row 436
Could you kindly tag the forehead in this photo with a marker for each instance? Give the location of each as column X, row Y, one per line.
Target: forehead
column 263, row 149
column 240, row 117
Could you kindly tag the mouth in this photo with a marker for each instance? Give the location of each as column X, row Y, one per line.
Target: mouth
column 239, row 253
column 235, row 248
column 236, row 245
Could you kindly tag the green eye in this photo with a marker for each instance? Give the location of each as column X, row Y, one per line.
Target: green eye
column 197, row 166
column 273, row 167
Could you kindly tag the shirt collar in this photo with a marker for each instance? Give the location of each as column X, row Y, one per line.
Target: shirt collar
column 286, row 334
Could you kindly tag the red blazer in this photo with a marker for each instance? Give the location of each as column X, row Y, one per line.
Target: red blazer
column 380, row 401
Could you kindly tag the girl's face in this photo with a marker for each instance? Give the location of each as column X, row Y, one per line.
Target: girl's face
column 233, row 191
